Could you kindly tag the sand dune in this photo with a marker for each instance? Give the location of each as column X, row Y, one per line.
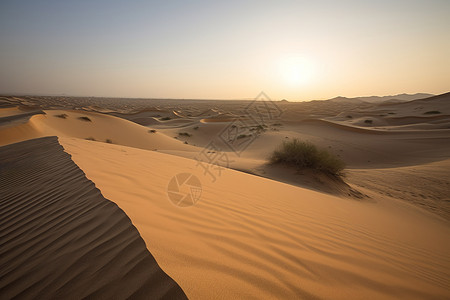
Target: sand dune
column 12, row 116
column 382, row 232
column 407, row 120
column 419, row 107
column 147, row 121
column 425, row 185
column 346, row 127
column 100, row 128
column 224, row 118
column 253, row 237
column 61, row 239
column 10, row 111
column 359, row 147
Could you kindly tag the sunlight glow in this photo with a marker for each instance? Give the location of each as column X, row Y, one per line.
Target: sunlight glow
column 297, row 70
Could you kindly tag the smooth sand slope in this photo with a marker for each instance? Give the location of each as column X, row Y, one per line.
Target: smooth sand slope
column 98, row 126
column 250, row 237
column 425, row 185
column 61, row 239
column 400, row 135
column 403, row 164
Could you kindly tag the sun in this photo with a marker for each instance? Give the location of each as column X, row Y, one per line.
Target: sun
column 297, row 70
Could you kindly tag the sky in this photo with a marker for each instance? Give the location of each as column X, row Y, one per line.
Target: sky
column 295, row 50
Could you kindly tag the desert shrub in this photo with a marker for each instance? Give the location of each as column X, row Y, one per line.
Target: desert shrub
column 349, row 117
column 90, row 138
column 432, row 112
column 258, row 128
column 187, row 134
column 152, row 131
column 368, row 121
column 276, row 124
column 303, row 154
column 86, row 119
column 108, row 141
column 62, row 116
column 166, row 118
column 196, row 127
column 241, row 136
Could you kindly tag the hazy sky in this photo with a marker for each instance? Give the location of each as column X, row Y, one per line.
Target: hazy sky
column 298, row 50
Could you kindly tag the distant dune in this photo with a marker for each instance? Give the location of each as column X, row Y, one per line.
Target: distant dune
column 384, row 99
column 100, row 128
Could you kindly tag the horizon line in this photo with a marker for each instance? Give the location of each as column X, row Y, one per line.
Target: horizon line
column 14, row 94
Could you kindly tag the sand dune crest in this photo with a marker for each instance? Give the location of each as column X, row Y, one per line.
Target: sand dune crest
column 60, row 239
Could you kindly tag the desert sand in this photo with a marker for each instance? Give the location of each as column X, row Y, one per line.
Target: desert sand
column 61, row 239
column 257, row 230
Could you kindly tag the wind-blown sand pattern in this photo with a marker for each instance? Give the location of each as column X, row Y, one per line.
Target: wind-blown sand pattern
column 60, row 239
column 256, row 238
column 380, row 232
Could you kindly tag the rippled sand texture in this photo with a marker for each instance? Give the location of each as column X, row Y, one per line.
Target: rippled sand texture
column 61, row 239
column 253, row 237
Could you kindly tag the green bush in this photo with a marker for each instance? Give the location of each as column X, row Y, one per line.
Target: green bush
column 304, row 155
